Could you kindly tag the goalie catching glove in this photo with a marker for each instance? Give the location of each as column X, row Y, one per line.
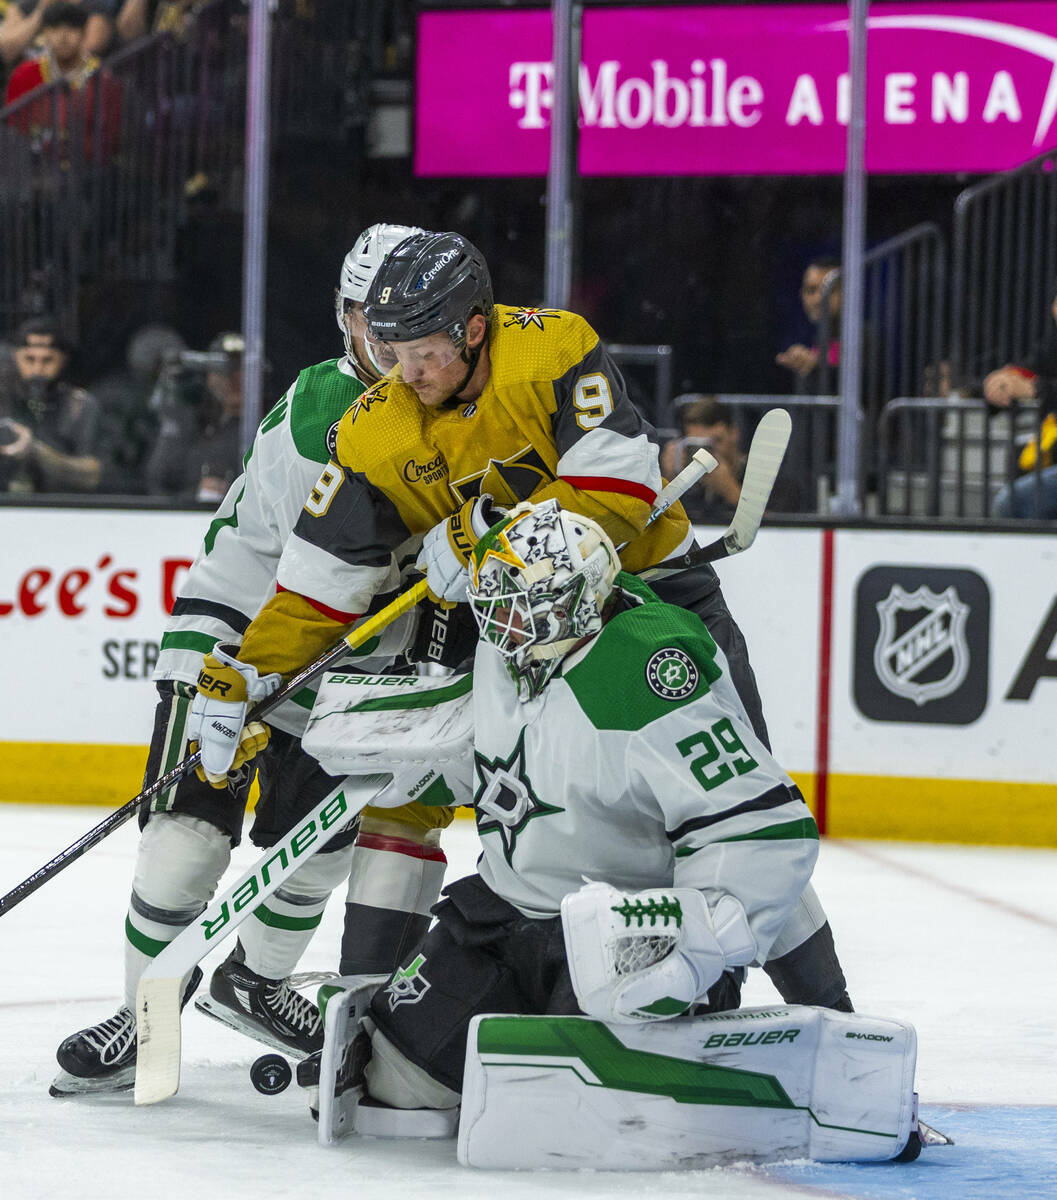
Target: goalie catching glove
column 647, row 956
column 218, row 714
column 446, row 548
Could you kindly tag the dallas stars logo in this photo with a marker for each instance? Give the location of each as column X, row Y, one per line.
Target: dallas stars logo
column 504, row 800
column 671, row 674
column 408, row 984
column 530, row 316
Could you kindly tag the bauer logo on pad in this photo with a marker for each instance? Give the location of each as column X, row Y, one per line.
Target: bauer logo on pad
column 922, row 644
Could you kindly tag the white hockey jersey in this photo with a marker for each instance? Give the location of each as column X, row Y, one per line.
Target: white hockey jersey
column 234, row 572
column 635, row 766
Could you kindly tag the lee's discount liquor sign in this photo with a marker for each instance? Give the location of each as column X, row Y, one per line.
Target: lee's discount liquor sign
column 741, row 91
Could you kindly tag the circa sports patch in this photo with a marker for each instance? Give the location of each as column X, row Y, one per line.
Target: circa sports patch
column 671, row 674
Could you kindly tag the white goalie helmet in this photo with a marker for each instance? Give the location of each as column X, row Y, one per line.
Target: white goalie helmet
column 360, row 267
column 539, row 583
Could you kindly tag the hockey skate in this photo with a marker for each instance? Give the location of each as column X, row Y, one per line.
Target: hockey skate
column 267, row 1010
column 102, row 1058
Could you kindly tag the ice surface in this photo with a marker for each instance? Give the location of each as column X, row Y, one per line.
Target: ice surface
column 961, row 941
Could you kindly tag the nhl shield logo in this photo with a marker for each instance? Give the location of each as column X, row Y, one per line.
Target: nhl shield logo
column 922, row 644
column 936, row 630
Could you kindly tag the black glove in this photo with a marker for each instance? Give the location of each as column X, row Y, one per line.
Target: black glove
column 446, row 634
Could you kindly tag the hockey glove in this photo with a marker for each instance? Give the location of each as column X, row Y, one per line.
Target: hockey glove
column 649, row 955
column 445, row 554
column 447, row 634
column 218, row 714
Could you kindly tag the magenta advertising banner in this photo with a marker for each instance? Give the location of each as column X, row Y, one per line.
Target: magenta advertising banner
column 741, row 91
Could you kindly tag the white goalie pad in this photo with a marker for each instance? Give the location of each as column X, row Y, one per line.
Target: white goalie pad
column 341, row 1066
column 343, row 1009
column 363, row 724
column 757, row 1085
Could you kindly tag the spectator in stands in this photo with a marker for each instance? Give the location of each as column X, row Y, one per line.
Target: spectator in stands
column 1034, row 380
column 63, row 55
column 708, row 423
column 49, row 429
column 140, row 17
column 21, row 24
column 199, row 448
column 803, row 360
column 130, row 416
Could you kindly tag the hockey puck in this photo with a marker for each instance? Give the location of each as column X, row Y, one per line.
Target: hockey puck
column 271, row 1074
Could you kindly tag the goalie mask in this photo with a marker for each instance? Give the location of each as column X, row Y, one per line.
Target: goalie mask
column 358, row 271
column 539, row 582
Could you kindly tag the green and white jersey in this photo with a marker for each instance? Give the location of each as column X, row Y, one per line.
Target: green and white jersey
column 636, row 766
column 234, row 571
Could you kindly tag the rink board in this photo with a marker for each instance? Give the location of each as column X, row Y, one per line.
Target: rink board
column 907, row 677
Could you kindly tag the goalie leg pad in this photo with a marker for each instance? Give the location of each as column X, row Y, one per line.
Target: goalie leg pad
column 341, row 1076
column 178, row 865
column 759, row 1085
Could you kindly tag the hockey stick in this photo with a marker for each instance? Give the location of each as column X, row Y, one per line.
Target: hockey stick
column 161, row 984
column 765, row 457
column 357, row 637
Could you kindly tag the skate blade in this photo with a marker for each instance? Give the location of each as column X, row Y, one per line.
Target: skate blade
column 210, row 1008
column 65, row 1085
column 933, row 1137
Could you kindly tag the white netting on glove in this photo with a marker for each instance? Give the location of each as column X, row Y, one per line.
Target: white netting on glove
column 634, row 953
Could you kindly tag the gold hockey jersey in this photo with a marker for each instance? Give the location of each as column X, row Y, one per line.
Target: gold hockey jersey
column 554, row 420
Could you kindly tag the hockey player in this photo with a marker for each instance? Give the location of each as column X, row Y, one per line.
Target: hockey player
column 190, row 829
column 609, row 745
column 490, row 404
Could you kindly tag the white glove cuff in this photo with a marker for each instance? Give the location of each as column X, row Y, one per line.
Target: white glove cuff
column 257, row 686
column 733, row 933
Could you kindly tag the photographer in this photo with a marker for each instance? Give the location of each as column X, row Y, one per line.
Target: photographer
column 198, row 399
column 50, row 432
column 709, row 423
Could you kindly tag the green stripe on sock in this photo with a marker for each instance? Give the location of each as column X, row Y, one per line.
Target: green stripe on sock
column 152, row 947
column 276, row 920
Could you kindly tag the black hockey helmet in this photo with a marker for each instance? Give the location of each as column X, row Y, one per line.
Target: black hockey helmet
column 431, row 282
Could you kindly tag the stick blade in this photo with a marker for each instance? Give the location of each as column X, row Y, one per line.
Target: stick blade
column 158, row 1039
column 768, row 447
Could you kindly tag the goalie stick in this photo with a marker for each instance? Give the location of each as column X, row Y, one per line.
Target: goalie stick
column 161, row 984
column 765, row 457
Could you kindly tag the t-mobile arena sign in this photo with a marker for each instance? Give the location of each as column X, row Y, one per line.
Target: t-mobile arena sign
column 741, row 91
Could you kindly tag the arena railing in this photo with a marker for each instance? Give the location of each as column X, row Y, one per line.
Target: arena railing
column 1004, row 269
column 96, row 182
column 948, row 457
column 905, row 286
column 659, row 360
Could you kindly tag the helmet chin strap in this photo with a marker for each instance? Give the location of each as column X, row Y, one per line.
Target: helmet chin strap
column 367, row 375
column 471, row 358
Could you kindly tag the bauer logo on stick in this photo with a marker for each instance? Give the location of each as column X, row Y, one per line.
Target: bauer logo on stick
column 671, row 674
